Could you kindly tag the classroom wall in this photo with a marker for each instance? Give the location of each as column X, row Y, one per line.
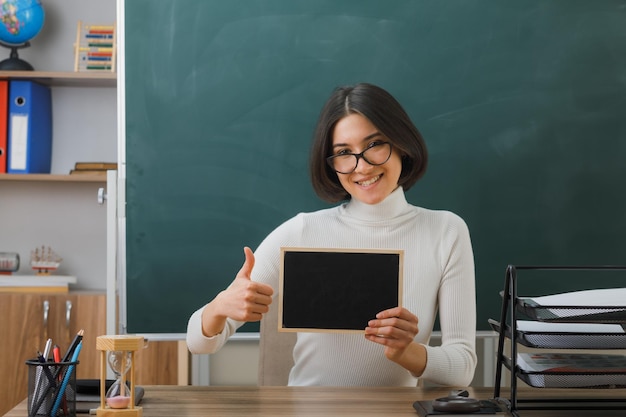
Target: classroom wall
column 65, row 216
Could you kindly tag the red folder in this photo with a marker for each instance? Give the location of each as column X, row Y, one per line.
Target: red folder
column 4, row 114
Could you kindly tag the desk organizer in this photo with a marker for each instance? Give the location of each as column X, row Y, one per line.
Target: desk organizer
column 564, row 321
column 49, row 382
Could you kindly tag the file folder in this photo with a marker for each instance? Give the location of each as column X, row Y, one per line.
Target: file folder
column 30, row 128
column 4, row 115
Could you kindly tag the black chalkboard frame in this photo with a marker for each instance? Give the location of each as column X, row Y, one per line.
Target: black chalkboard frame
column 351, row 285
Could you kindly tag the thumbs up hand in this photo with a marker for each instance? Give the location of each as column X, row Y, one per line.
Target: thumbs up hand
column 243, row 300
column 248, row 264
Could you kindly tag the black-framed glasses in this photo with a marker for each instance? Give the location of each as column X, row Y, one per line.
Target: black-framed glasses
column 376, row 154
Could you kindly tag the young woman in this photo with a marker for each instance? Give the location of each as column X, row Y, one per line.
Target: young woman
column 366, row 153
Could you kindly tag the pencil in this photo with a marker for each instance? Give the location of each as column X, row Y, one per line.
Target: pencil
column 77, row 339
column 68, row 374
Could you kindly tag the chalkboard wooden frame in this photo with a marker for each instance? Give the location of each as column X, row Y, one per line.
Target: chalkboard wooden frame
column 352, row 284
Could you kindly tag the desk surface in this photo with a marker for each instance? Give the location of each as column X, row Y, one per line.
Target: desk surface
column 162, row 401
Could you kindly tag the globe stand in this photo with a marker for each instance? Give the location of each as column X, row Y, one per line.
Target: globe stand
column 14, row 62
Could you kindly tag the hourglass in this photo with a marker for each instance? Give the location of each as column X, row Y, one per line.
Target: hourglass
column 118, row 352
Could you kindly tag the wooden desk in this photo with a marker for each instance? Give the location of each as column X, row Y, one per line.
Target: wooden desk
column 168, row 401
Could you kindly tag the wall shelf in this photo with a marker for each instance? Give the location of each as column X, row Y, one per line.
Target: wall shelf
column 52, row 178
column 65, row 79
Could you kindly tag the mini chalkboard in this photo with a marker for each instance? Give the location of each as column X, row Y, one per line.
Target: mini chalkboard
column 337, row 289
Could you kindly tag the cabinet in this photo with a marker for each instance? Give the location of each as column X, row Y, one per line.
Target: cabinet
column 29, row 319
column 162, row 363
column 556, row 328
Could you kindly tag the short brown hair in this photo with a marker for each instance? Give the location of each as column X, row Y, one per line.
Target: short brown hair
column 384, row 112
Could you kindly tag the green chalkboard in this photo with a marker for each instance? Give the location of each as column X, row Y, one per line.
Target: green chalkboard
column 522, row 105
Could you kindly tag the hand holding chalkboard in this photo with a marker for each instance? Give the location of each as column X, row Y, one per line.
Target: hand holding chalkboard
column 243, row 300
column 394, row 328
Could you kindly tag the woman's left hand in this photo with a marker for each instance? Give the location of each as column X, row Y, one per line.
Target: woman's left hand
column 395, row 329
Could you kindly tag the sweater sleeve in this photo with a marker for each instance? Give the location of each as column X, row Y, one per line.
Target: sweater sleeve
column 198, row 343
column 453, row 363
column 265, row 270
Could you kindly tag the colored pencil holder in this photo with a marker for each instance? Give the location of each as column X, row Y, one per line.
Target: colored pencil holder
column 49, row 381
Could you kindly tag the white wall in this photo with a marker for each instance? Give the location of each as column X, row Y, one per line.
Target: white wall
column 53, row 48
column 66, row 217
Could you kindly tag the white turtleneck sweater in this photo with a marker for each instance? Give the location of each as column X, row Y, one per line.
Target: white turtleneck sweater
column 438, row 275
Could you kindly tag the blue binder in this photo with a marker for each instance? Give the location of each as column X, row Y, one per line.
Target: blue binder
column 30, row 128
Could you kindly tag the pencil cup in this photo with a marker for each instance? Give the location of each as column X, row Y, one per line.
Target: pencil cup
column 51, row 388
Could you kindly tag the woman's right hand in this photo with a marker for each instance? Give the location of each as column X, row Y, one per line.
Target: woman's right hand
column 243, row 300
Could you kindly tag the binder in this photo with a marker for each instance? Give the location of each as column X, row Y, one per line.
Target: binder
column 30, row 128
column 4, row 115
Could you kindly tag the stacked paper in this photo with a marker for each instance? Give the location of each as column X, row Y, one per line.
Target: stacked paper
column 565, row 370
column 606, row 300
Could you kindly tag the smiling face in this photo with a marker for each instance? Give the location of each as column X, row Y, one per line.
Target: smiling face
column 368, row 183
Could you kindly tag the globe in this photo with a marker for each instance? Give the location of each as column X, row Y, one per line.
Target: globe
column 20, row 21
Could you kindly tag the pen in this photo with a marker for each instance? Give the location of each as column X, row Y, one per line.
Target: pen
column 77, row 339
column 37, row 382
column 46, row 350
column 56, row 354
column 38, row 400
column 42, row 359
column 66, row 379
column 45, row 369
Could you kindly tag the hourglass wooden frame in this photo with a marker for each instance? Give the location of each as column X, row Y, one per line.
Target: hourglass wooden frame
column 123, row 343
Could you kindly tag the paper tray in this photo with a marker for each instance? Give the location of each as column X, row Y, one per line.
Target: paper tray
column 571, row 370
column 569, row 380
column 577, row 314
column 565, row 336
column 588, row 306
